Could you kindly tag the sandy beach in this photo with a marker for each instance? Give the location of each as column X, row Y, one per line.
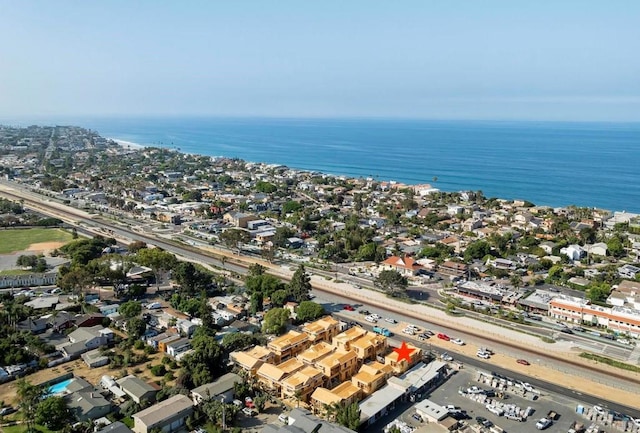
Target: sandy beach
column 127, row 144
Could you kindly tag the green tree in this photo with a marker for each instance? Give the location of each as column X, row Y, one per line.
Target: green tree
column 477, row 250
column 598, row 292
column 275, row 321
column 279, row 297
column 158, row 260
column 308, row 311
column 291, row 206
column 53, row 413
column 29, row 396
column 300, row 285
column 136, row 327
column 136, row 246
column 391, row 282
column 130, row 309
column 255, row 305
column 615, row 246
column 349, row 416
column 281, row 236
column 236, row 341
column 234, row 238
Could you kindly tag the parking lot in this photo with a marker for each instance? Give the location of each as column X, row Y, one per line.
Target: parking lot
column 565, row 407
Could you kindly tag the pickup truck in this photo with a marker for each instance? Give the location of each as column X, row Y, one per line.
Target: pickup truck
column 552, row 415
column 382, row 331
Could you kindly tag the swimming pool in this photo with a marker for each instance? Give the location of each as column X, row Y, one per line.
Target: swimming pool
column 59, row 388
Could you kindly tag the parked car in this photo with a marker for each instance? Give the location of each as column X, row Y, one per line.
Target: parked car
column 523, row 362
column 578, row 329
column 416, row 417
column 457, row 341
column 249, row 412
column 474, row 390
column 444, row 337
column 7, row 410
column 283, row 418
column 390, row 320
column 599, row 410
column 446, row 357
column 364, row 312
column 483, row 421
column 407, row 331
column 348, row 308
column 370, row 319
column 543, row 423
column 483, row 355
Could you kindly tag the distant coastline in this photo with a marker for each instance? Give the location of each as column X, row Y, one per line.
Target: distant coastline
column 547, row 163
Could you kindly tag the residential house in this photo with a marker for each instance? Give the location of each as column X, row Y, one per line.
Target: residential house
column 220, row 389
column 369, row 346
column 371, row 377
column 35, row 326
column 628, row 271
column 315, row 353
column 177, row 347
column 94, row 358
column 88, row 405
column 238, row 219
column 453, row 269
column 89, row 320
column 548, row 246
column 323, row 329
column 186, row 327
column 301, row 384
column 61, row 320
column 301, row 421
column 339, row 366
column 163, row 343
column 252, row 359
column 405, row 266
column 289, row 345
column 574, row 252
column 84, row 339
column 115, row 427
column 168, row 415
column 137, row 389
column 598, row 249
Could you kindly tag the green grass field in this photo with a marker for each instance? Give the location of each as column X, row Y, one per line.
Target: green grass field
column 19, row 240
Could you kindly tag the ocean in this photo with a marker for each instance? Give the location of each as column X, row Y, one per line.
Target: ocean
column 547, row 163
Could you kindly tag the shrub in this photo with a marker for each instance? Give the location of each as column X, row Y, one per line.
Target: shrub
column 158, row 370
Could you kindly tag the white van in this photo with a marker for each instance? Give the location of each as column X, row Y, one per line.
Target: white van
column 284, row 419
column 154, row 306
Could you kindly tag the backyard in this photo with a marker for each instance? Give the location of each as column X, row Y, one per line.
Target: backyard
column 32, row 239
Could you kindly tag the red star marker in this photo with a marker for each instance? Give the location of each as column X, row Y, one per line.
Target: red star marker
column 404, row 352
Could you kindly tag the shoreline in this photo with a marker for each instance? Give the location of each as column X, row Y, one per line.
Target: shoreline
column 127, row 144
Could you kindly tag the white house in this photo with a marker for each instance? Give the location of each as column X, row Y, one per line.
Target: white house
column 574, row 252
column 599, row 249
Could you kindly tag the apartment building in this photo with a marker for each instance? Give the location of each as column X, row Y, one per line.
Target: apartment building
column 401, row 366
column 369, row 346
column 289, row 345
column 252, row 359
column 315, row 353
column 344, row 339
column 344, row 394
column 338, row 366
column 371, row 377
column 323, row 329
column 271, row 376
column 302, row 383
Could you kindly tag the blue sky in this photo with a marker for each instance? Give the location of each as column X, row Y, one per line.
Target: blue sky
column 548, row 60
